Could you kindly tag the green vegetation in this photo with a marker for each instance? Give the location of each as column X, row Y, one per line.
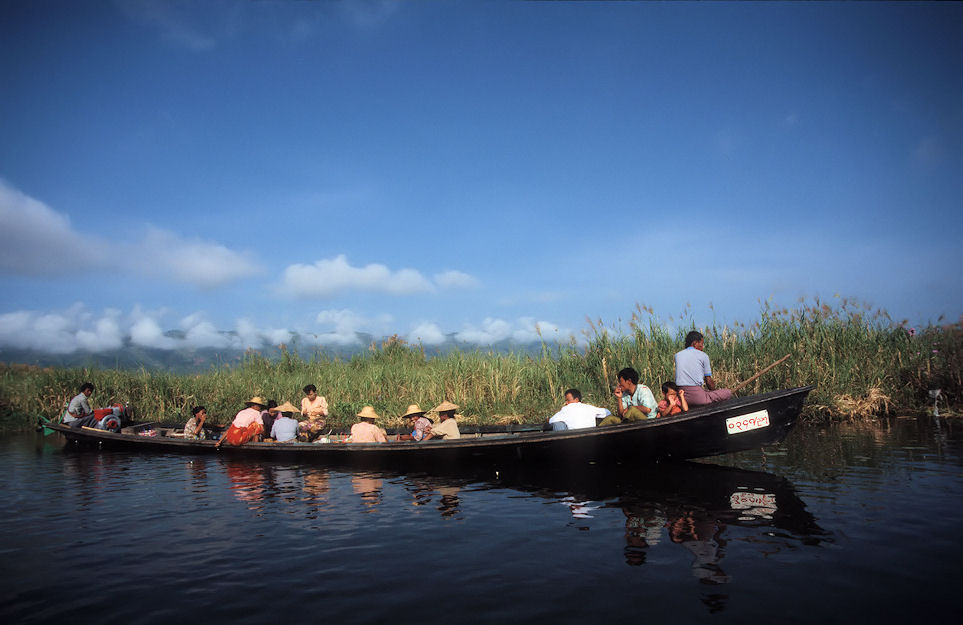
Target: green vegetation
column 862, row 364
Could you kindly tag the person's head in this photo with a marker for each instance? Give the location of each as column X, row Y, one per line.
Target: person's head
column 199, row 411
column 446, row 410
column 628, row 378
column 256, row 402
column 572, row 396
column 311, row 391
column 285, row 410
column 669, row 389
column 413, row 413
column 271, row 404
column 368, row 414
column 695, row 339
column 87, row 388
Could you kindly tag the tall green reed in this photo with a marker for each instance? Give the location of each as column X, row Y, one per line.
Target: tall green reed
column 860, row 361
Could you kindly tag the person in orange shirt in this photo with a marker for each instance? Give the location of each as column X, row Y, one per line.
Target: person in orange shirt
column 365, row 431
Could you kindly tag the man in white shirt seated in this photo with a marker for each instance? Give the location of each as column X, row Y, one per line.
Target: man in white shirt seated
column 575, row 415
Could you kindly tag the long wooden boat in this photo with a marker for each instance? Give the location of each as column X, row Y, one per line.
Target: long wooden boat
column 736, row 425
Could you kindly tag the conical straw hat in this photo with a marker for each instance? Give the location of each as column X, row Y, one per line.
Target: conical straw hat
column 413, row 409
column 368, row 412
column 287, row 407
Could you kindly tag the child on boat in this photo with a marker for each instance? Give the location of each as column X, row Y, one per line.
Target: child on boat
column 673, row 401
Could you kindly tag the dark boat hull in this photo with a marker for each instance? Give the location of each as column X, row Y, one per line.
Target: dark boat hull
column 735, row 425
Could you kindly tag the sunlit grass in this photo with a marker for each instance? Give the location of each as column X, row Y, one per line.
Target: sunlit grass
column 860, row 361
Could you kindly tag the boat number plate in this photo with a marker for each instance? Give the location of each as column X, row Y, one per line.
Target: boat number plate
column 746, row 422
column 742, row 500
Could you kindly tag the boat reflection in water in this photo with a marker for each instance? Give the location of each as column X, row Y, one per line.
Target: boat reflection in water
column 691, row 512
column 702, row 508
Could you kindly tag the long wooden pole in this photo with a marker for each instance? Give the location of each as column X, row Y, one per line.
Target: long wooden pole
column 739, row 386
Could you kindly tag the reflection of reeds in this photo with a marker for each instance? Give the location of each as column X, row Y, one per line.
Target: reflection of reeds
column 860, row 361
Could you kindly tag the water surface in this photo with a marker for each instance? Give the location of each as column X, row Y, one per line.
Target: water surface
column 841, row 524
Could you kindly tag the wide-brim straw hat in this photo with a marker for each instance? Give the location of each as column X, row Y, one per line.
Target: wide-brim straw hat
column 287, row 407
column 446, row 406
column 413, row 410
column 368, row 412
column 256, row 400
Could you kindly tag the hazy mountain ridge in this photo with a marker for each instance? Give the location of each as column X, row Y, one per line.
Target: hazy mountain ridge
column 192, row 360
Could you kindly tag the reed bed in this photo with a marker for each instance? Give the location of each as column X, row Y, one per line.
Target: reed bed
column 861, row 362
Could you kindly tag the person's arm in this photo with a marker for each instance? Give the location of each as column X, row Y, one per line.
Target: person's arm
column 323, row 407
column 707, row 372
column 619, row 408
column 682, row 400
column 648, row 404
column 430, row 434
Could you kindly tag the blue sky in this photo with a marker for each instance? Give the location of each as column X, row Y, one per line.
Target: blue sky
column 481, row 168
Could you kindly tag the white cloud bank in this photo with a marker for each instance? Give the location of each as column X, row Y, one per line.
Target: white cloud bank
column 340, row 327
column 79, row 329
column 39, row 241
column 524, row 330
column 329, row 277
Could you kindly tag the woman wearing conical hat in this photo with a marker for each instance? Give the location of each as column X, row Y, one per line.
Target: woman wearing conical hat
column 446, row 428
column 418, row 422
column 365, row 431
column 247, row 424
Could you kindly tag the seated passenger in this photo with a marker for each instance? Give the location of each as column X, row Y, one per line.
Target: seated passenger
column 285, row 426
column 315, row 408
column 418, row 422
column 194, row 428
column 267, row 416
column 692, row 369
column 673, row 400
column 575, row 415
column 247, row 424
column 635, row 401
column 79, row 406
column 446, row 428
column 365, row 431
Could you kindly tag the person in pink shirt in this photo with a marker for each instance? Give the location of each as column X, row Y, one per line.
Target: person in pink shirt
column 419, row 423
column 315, row 408
column 247, row 424
column 365, row 431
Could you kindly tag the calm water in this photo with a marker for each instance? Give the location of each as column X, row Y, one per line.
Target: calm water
column 847, row 524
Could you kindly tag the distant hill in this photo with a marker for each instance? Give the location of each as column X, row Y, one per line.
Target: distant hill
column 190, row 360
